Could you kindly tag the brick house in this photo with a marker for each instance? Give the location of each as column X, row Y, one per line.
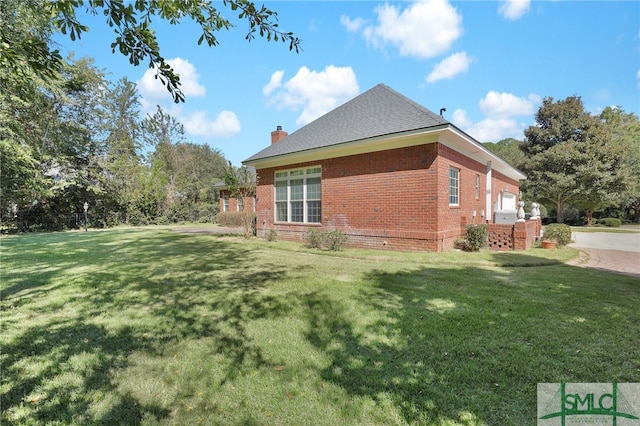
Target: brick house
column 388, row 172
column 229, row 203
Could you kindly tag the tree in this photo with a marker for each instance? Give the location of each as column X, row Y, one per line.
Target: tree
column 162, row 131
column 199, row 168
column 183, row 174
column 625, row 131
column 568, row 156
column 74, row 144
column 602, row 178
column 242, row 183
column 50, row 136
column 509, row 150
column 26, row 105
column 560, row 122
column 123, row 145
column 132, row 24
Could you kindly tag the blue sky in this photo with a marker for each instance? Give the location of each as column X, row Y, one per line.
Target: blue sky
column 488, row 63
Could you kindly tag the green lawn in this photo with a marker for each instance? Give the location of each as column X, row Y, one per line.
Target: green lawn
column 152, row 326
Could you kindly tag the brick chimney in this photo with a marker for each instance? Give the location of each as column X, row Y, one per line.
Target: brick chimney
column 278, row 134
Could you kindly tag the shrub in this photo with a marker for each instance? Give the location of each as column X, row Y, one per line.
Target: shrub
column 612, row 222
column 330, row 240
column 476, row 237
column 460, row 244
column 271, row 235
column 138, row 218
column 576, row 221
column 230, row 219
column 334, row 240
column 162, row 220
column 558, row 232
column 313, row 237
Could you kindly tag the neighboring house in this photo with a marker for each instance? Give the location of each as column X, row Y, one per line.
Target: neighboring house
column 384, row 170
column 229, row 203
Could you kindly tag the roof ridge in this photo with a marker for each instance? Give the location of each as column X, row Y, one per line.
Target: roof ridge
column 378, row 111
column 415, row 104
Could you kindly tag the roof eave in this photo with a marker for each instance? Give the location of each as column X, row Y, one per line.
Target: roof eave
column 475, row 149
column 460, row 141
column 360, row 146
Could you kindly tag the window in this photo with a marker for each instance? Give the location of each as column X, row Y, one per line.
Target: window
column 240, row 204
column 225, row 203
column 454, row 186
column 298, row 195
column 477, row 186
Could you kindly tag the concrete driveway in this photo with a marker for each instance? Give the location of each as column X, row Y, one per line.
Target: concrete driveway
column 608, row 251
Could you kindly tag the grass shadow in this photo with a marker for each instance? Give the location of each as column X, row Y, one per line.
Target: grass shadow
column 69, row 330
column 470, row 345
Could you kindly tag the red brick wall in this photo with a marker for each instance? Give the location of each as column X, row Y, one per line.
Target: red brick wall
column 395, row 199
column 519, row 236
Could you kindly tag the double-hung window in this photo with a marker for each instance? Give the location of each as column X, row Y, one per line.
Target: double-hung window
column 225, row 204
column 298, row 195
column 454, row 186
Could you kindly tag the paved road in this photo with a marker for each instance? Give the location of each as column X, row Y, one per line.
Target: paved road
column 607, row 241
column 609, row 251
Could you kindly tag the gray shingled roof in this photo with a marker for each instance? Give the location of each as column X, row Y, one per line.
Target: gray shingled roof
column 377, row 112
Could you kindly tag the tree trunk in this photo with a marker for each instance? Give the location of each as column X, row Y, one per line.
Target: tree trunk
column 589, row 217
column 560, row 212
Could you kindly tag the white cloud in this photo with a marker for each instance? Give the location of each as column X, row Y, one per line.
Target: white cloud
column 352, row 25
column 460, row 119
column 226, row 124
column 423, row 29
column 450, row 67
column 496, row 104
column 274, row 83
column 316, row 92
column 514, row 9
column 153, row 90
column 501, row 111
column 494, row 130
column 196, row 123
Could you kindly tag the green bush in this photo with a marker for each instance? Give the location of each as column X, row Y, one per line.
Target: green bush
column 314, row 238
column 476, row 237
column 612, row 222
column 558, row 232
column 271, row 235
column 460, row 244
column 330, row 240
column 162, row 220
column 335, row 240
column 230, row 219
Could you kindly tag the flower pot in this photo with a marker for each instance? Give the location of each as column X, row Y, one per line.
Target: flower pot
column 548, row 244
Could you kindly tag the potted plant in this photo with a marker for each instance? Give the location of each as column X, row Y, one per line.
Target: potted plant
column 548, row 244
column 556, row 234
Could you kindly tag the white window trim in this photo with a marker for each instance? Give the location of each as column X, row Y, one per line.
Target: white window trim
column 306, row 174
column 457, row 195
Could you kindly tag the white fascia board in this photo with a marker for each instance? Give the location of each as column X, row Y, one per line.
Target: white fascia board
column 457, row 140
